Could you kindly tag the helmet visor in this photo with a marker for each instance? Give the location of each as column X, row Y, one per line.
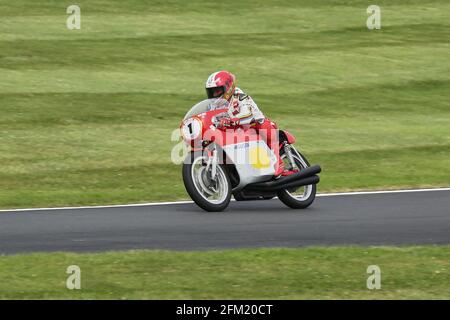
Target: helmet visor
column 215, row 92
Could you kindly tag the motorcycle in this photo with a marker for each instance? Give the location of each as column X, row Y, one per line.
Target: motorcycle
column 237, row 162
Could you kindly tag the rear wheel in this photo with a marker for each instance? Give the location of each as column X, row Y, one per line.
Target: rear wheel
column 300, row 197
column 208, row 192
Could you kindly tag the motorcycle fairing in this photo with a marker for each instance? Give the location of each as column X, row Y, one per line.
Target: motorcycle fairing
column 254, row 161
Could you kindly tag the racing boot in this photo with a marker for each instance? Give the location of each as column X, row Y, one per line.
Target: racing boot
column 281, row 171
column 288, row 172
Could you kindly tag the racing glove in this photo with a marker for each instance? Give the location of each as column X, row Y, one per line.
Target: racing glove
column 227, row 122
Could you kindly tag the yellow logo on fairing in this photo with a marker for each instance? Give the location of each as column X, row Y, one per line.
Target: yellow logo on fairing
column 259, row 158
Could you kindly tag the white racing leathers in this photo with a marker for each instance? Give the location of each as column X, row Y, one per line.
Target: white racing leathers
column 244, row 108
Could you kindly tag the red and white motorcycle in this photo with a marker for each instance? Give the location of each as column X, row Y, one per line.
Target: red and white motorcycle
column 238, row 162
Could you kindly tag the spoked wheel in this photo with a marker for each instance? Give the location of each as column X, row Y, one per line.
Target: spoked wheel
column 300, row 197
column 208, row 192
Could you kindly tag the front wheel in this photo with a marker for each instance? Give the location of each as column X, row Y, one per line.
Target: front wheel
column 209, row 193
column 300, row 197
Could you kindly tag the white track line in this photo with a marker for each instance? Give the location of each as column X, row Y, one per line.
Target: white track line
column 184, row 202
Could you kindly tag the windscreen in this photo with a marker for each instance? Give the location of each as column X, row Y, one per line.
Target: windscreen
column 207, row 105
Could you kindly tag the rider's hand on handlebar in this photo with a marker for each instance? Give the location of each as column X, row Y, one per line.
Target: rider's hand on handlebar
column 224, row 122
column 227, row 122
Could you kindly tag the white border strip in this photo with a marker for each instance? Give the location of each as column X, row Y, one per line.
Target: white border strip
column 379, row 192
column 185, row 202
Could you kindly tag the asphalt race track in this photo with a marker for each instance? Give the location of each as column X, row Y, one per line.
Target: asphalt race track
column 362, row 219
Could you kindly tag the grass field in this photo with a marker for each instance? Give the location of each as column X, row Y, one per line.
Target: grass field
column 86, row 115
column 312, row 273
column 86, row 118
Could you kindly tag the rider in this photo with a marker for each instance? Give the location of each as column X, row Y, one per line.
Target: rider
column 243, row 111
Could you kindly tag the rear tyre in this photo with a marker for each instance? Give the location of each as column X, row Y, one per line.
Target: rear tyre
column 209, row 194
column 301, row 197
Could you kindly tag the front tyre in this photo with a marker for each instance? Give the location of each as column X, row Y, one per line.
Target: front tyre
column 301, row 197
column 209, row 193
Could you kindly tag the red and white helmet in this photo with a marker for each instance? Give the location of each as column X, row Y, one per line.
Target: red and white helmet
column 220, row 84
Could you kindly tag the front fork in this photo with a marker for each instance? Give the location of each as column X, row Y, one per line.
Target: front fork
column 212, row 162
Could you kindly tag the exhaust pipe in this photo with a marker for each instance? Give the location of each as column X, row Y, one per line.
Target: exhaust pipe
column 300, row 183
column 304, row 173
column 314, row 179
